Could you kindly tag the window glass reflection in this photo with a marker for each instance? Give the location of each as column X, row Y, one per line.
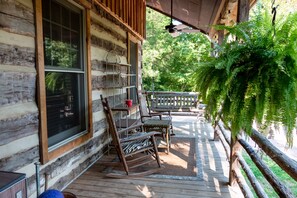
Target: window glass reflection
column 63, row 101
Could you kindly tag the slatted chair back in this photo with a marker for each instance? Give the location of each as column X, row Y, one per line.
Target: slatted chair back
column 112, row 126
column 143, row 108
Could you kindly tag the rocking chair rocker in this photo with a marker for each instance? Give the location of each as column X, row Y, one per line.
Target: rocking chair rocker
column 134, row 149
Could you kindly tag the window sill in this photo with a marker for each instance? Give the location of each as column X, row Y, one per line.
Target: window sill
column 70, row 145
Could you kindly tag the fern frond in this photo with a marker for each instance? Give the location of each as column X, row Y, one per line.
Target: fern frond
column 254, row 78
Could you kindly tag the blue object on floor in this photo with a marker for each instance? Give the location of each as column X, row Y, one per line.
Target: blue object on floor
column 51, row 194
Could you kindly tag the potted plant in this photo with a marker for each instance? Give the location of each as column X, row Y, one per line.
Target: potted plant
column 253, row 77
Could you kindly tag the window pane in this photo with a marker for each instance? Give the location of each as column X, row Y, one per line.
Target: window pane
column 75, row 22
column 61, row 43
column 75, row 58
column 75, row 40
column 65, row 17
column 66, row 36
column 75, row 53
column 56, row 32
column 47, row 43
column 55, row 12
column 65, row 105
column 46, row 9
column 133, row 62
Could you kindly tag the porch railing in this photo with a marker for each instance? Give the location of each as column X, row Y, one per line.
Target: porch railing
column 233, row 151
column 175, row 101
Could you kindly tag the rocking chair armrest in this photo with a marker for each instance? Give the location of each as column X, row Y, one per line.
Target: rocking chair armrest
column 152, row 115
column 130, row 128
column 139, row 137
column 144, row 116
column 156, row 114
column 159, row 114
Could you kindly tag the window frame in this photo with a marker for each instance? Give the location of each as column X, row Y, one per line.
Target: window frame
column 45, row 153
column 134, row 40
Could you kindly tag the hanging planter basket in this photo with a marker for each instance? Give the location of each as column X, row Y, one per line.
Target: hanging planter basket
column 253, row 77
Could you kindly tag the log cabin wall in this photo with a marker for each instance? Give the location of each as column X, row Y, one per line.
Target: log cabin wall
column 19, row 142
column 19, row 109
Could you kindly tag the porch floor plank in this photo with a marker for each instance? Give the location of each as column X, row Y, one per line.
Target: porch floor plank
column 213, row 170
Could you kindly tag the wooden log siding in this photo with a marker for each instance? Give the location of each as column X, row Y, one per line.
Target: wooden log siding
column 103, row 66
column 16, row 17
column 97, row 65
column 128, row 12
column 97, row 82
column 97, row 126
column 17, row 87
column 19, row 127
column 109, row 82
column 116, row 99
column 18, row 160
column 17, row 55
column 108, row 45
column 96, row 106
column 96, row 25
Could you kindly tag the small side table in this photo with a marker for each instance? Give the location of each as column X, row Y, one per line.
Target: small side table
column 12, row 185
column 126, row 122
column 159, row 125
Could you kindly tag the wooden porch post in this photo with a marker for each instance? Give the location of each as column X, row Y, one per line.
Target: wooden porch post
column 216, row 128
column 234, row 164
column 242, row 15
column 243, row 10
column 221, row 36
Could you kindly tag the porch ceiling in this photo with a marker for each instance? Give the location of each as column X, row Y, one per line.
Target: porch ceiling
column 198, row 14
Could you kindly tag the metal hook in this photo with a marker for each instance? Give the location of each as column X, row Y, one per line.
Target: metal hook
column 273, row 11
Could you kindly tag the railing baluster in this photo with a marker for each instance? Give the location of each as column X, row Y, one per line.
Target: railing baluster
column 281, row 189
column 253, row 180
column 286, row 163
column 236, row 159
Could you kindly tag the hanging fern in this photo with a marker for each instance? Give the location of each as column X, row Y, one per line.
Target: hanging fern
column 253, row 78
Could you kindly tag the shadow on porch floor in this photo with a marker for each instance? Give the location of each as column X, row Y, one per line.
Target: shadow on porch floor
column 210, row 178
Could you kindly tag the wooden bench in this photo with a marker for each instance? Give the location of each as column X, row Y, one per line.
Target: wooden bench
column 174, row 101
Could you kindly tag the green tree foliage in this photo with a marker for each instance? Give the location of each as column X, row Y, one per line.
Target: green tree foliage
column 169, row 62
column 253, row 77
column 58, row 54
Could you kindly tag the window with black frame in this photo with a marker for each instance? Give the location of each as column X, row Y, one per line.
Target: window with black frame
column 64, row 71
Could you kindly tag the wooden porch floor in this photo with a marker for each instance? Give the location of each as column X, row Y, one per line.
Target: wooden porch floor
column 211, row 179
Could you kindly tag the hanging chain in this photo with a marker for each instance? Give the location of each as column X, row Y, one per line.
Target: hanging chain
column 273, row 12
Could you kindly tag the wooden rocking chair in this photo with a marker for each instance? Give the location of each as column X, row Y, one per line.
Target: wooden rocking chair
column 134, row 149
